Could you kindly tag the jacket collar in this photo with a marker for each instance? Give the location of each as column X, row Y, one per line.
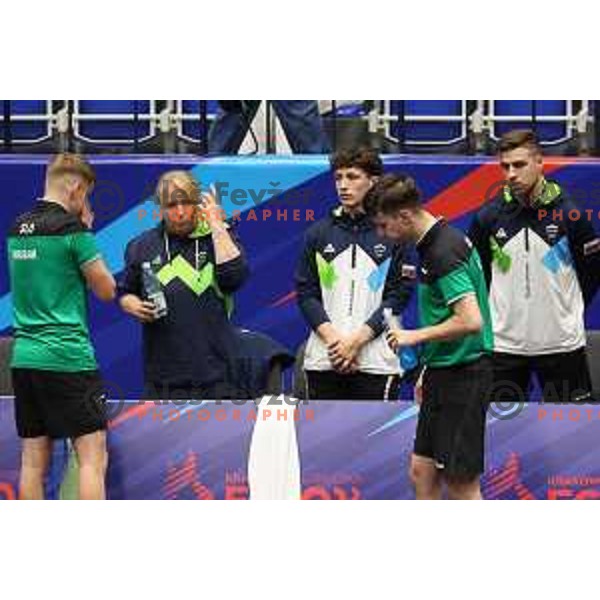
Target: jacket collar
column 341, row 217
column 550, row 193
column 202, row 230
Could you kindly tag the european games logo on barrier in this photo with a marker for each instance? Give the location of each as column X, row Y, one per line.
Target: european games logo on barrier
column 183, row 480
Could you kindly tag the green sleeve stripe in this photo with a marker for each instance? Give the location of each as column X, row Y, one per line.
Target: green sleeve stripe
column 90, row 260
column 459, row 296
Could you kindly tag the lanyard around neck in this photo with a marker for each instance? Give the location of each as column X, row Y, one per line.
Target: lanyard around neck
column 168, row 250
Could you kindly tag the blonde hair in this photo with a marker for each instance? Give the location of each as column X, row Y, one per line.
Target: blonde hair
column 70, row 164
column 183, row 181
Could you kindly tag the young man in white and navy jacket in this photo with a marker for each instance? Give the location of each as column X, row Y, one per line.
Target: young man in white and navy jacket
column 541, row 257
column 347, row 274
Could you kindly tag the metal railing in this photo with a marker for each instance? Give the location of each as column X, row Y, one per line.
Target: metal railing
column 9, row 117
column 164, row 126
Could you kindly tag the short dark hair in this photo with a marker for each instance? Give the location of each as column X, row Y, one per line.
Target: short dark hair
column 392, row 193
column 518, row 138
column 362, row 158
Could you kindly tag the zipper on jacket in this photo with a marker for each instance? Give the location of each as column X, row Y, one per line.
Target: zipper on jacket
column 527, row 277
column 353, row 283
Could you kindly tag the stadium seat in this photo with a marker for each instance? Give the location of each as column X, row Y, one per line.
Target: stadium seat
column 428, row 122
column 114, row 121
column 552, row 118
column 345, row 124
column 30, row 120
column 189, row 123
column 347, row 109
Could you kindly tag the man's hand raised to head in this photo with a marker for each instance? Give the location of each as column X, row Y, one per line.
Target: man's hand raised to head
column 87, row 215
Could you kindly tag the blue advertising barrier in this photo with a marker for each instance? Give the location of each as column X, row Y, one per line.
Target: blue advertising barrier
column 348, row 451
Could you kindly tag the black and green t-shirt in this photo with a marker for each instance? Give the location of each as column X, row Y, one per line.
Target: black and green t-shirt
column 46, row 249
column 450, row 269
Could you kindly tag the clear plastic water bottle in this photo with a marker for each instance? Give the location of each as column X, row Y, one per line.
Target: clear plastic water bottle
column 407, row 355
column 409, row 359
column 153, row 291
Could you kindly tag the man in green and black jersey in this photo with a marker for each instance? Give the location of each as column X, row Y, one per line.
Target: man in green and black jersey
column 457, row 338
column 53, row 258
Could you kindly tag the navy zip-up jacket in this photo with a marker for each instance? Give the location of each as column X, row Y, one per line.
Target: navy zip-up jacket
column 194, row 346
column 542, row 265
column 346, row 275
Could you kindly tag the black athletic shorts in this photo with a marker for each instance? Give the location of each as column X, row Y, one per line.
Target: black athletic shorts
column 563, row 377
column 331, row 385
column 451, row 424
column 58, row 404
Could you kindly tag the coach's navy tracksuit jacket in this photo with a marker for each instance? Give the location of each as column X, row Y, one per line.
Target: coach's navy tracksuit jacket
column 194, row 346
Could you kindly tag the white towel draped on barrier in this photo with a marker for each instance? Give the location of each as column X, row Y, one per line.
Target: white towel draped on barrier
column 273, row 459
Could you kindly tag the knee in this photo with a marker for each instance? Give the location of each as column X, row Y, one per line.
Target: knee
column 97, row 460
column 35, row 459
column 103, row 460
column 33, row 462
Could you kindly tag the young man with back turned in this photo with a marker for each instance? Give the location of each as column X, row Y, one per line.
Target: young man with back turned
column 53, row 259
